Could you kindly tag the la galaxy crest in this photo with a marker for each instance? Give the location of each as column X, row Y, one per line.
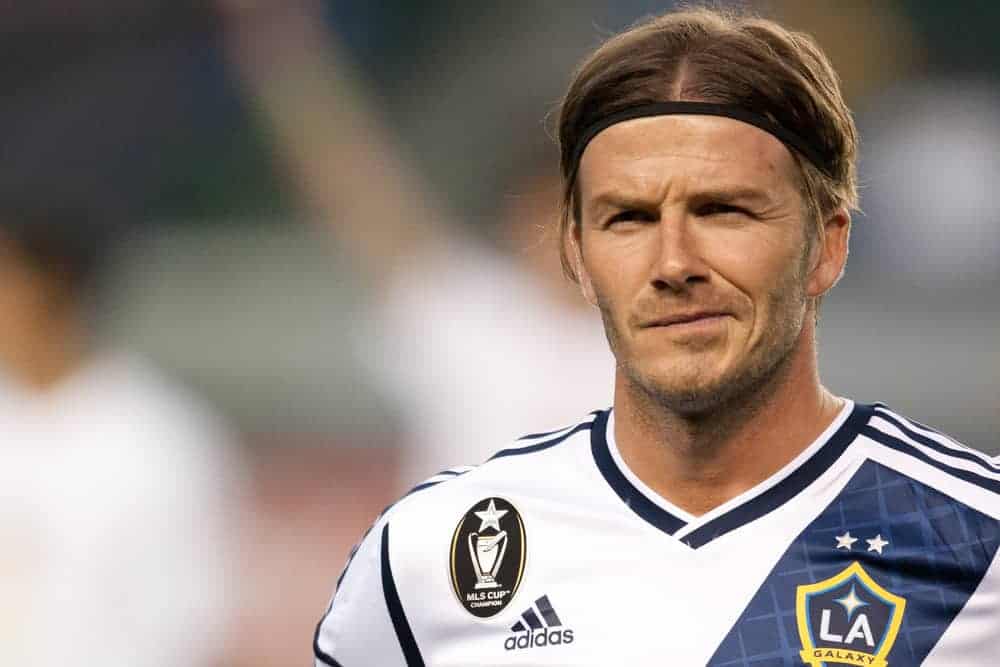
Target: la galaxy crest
column 847, row 619
column 487, row 557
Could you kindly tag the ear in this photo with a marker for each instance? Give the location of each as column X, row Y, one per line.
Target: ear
column 829, row 254
column 574, row 246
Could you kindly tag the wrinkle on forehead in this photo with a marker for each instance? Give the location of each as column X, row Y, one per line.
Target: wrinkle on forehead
column 657, row 156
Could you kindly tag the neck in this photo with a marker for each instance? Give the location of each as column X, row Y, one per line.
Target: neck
column 699, row 462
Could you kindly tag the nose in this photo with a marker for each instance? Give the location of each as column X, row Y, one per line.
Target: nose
column 679, row 264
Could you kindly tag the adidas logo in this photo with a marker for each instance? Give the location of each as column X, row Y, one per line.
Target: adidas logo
column 540, row 627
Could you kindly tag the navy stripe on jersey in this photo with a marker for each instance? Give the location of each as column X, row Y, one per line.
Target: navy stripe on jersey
column 530, row 449
column 752, row 509
column 789, row 487
column 323, row 657
column 433, row 482
column 448, row 475
column 630, row 495
column 923, row 427
column 991, row 461
column 546, row 434
column 892, row 442
column 981, row 460
column 403, row 632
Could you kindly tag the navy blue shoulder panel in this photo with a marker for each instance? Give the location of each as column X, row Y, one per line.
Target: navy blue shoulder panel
column 910, row 539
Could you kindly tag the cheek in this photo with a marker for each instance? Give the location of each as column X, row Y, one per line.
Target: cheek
column 617, row 268
column 781, row 304
column 755, row 265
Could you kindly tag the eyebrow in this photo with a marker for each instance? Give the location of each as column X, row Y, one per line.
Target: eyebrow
column 728, row 195
column 725, row 195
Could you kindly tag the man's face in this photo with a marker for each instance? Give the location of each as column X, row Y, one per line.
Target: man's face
column 694, row 244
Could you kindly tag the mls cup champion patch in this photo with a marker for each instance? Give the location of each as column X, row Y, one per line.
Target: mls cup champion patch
column 487, row 557
column 847, row 619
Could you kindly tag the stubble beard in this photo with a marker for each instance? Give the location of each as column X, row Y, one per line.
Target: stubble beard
column 740, row 388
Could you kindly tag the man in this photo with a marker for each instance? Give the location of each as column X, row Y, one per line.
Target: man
column 117, row 498
column 728, row 510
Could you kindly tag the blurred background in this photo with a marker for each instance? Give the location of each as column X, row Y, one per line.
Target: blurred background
column 264, row 265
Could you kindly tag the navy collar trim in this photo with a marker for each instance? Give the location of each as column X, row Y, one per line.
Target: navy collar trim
column 631, row 496
column 739, row 516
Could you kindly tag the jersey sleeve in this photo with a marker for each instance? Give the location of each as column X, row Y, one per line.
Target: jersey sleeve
column 358, row 629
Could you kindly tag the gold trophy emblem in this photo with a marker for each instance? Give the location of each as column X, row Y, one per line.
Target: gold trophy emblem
column 487, row 551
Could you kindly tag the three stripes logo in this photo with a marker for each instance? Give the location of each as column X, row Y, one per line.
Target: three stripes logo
column 539, row 626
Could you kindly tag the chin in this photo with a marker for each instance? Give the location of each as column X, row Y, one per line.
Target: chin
column 695, row 389
column 692, row 399
column 685, row 391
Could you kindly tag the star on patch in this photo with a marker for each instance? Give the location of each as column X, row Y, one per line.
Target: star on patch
column 491, row 517
column 845, row 541
column 877, row 544
column 851, row 602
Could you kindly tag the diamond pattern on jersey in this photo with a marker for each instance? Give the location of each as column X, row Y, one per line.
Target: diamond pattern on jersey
column 934, row 552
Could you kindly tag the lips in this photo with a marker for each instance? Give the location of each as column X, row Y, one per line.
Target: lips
column 684, row 318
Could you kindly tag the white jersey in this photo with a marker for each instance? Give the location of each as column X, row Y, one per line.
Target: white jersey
column 875, row 546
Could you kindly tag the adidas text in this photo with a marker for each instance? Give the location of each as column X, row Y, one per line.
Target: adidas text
column 539, row 638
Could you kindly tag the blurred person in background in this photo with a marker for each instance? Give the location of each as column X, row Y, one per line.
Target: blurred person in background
column 476, row 342
column 117, row 485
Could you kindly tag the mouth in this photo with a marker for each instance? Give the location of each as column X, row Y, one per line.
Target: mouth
column 689, row 319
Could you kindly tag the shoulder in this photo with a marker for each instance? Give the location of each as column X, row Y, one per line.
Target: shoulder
column 524, row 471
column 525, row 466
column 954, row 469
column 400, row 558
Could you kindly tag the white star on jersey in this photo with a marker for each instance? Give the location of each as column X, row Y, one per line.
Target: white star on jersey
column 845, row 541
column 851, row 602
column 492, row 516
column 877, row 544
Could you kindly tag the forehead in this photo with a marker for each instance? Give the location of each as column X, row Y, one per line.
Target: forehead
column 687, row 151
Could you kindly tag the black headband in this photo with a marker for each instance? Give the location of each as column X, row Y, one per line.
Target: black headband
column 783, row 134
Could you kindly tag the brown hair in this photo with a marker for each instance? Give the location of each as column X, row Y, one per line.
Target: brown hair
column 722, row 57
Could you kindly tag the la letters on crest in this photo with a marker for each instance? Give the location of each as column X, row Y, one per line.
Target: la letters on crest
column 848, row 619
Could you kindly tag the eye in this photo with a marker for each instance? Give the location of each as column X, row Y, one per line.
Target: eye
column 630, row 215
column 719, row 208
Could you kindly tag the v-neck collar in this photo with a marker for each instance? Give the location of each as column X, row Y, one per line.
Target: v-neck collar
column 750, row 505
